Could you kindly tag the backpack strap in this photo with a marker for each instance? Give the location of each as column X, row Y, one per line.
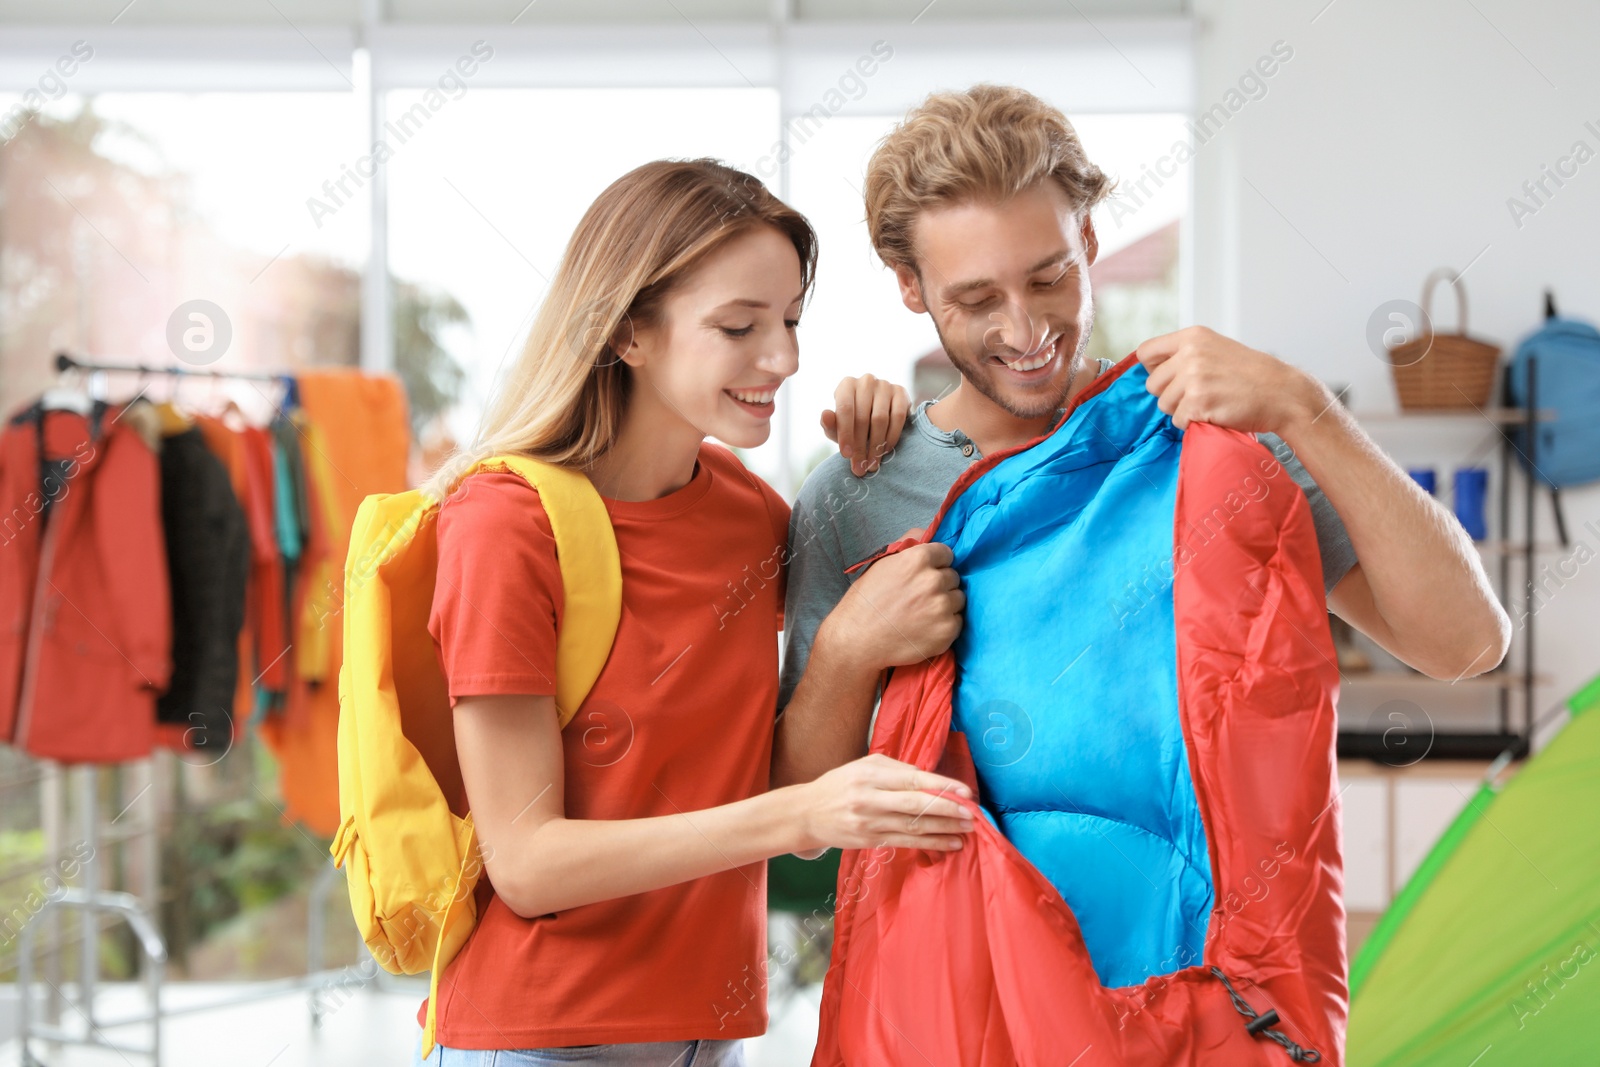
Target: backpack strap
column 591, row 573
column 591, row 580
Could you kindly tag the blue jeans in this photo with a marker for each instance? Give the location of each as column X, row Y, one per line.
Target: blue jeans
column 632, row 1054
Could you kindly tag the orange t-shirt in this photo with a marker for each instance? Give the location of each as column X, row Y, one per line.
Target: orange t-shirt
column 680, row 720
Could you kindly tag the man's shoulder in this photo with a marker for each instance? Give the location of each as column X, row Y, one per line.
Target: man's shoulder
column 908, row 470
column 831, row 476
column 860, row 515
column 831, row 499
column 915, row 460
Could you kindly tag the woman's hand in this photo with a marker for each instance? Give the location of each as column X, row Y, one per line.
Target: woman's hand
column 542, row 862
column 877, row 801
column 866, row 419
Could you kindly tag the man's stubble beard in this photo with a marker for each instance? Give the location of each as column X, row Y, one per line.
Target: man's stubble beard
column 984, row 383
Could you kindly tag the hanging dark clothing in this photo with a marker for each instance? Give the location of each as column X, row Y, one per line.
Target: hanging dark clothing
column 208, row 559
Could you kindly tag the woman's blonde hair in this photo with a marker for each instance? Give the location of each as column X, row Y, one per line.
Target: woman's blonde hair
column 564, row 398
column 989, row 142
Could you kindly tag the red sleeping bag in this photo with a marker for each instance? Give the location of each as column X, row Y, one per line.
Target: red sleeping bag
column 972, row 958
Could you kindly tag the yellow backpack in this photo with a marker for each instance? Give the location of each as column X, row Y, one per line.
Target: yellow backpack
column 406, row 840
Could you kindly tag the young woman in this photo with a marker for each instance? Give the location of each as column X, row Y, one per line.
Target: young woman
column 625, row 912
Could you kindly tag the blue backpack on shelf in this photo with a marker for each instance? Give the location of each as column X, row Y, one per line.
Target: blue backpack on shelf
column 1564, row 358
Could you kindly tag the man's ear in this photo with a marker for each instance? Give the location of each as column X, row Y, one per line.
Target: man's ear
column 1091, row 243
column 910, row 288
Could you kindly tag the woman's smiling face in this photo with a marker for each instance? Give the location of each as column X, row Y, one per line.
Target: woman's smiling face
column 724, row 341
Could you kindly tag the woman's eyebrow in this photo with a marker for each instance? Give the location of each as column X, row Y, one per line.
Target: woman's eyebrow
column 749, row 302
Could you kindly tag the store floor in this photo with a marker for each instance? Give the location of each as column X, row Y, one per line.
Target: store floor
column 369, row 1027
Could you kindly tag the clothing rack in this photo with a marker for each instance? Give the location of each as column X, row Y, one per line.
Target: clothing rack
column 91, row 902
column 66, row 361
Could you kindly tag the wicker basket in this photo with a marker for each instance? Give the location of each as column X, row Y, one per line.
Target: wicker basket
column 1444, row 370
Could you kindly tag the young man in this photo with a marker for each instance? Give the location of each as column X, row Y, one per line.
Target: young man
column 980, row 202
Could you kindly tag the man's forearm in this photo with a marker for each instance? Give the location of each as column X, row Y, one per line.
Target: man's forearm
column 1421, row 591
column 825, row 723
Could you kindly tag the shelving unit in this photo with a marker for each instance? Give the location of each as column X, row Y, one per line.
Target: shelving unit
column 1515, row 739
column 1381, row 679
column 1504, row 415
column 1496, row 548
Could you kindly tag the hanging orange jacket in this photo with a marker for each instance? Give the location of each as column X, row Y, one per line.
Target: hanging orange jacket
column 86, row 638
column 269, row 667
column 358, row 437
column 1142, row 699
column 322, row 588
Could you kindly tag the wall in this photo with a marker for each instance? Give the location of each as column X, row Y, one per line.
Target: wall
column 1389, row 144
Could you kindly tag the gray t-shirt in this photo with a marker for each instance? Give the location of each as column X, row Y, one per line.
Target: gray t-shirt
column 839, row 520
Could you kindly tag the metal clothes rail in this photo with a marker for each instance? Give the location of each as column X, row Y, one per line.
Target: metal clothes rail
column 91, row 902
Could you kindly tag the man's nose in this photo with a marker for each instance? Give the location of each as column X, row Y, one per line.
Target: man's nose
column 1017, row 329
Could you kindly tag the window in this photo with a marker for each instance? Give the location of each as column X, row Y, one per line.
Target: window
column 121, row 207
column 484, row 197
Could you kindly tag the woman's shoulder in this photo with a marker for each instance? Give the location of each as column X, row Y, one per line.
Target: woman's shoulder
column 494, row 503
column 493, row 487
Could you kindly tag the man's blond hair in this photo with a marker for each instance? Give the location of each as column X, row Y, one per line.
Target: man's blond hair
column 988, row 142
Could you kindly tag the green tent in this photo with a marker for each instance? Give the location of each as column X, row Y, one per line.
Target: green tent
column 1491, row 954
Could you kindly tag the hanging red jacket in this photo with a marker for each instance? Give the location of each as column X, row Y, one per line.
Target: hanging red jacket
column 85, row 617
column 1143, row 702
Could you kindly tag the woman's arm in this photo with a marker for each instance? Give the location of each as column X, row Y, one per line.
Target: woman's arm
column 541, row 862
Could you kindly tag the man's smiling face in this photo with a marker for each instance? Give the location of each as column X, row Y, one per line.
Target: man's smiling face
column 1007, row 286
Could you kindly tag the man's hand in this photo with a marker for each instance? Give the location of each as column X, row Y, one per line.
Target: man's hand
column 904, row 609
column 1197, row 375
column 1419, row 590
column 866, row 419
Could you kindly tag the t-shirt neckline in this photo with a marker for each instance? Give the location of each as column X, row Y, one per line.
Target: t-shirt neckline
column 674, row 503
column 955, row 438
